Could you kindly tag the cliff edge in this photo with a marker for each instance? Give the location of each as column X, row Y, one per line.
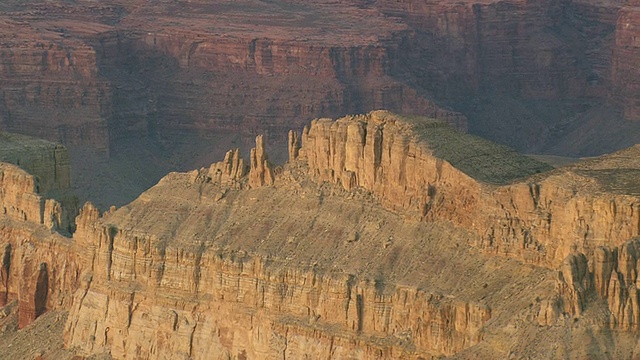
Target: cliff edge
column 383, row 237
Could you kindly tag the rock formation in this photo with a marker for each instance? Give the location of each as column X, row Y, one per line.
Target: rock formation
column 260, row 171
column 51, row 87
column 425, row 169
column 109, row 73
column 609, row 274
column 625, row 59
column 40, row 195
column 382, row 237
column 47, row 161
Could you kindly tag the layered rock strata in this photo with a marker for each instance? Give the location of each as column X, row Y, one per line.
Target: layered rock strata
column 47, row 161
column 109, row 73
column 138, row 302
column 626, row 75
column 50, row 85
column 313, row 262
column 422, row 169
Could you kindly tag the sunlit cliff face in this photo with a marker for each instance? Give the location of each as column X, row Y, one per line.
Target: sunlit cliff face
column 382, row 236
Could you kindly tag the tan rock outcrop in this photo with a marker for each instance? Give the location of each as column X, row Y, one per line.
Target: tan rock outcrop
column 260, row 169
column 27, row 194
column 20, row 200
column 418, row 167
column 48, row 162
column 293, row 145
column 201, row 264
column 615, row 273
column 232, row 169
column 380, row 153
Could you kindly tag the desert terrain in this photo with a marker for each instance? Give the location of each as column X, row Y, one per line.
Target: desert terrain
column 380, row 238
column 217, row 180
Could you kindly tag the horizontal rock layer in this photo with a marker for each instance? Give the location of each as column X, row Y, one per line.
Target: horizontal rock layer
column 420, row 168
column 101, row 74
column 250, row 260
column 157, row 302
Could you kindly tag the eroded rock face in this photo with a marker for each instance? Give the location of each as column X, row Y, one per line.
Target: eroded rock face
column 198, row 303
column 364, row 245
column 537, row 220
column 626, row 75
column 109, row 73
column 609, row 274
column 39, row 269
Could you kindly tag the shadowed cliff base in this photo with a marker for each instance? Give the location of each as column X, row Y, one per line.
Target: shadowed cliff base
column 137, row 164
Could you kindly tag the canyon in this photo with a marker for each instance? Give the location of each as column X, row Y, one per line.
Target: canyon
column 381, row 237
column 372, row 236
column 554, row 76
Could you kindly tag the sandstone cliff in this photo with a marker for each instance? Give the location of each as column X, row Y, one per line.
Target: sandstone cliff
column 47, row 161
column 365, row 245
column 439, row 174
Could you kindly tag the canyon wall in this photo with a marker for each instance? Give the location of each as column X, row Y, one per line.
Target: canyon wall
column 364, row 245
column 51, row 88
column 106, row 74
column 626, row 75
column 505, row 47
column 421, row 169
column 172, row 81
column 172, row 287
column 154, row 302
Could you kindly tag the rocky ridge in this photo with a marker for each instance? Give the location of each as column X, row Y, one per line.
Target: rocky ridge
column 436, row 173
column 377, row 240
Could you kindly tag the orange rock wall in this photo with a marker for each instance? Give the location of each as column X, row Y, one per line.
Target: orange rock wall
column 39, row 269
column 538, row 221
column 152, row 301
